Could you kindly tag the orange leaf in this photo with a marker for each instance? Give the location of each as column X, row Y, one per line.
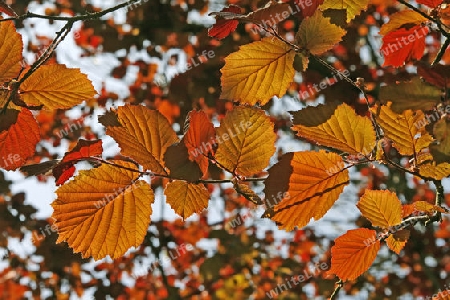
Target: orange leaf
column 397, row 241
column 246, row 141
column 186, row 198
column 381, row 208
column 103, row 211
column 84, row 149
column 19, row 134
column 56, row 86
column 199, row 139
column 351, row 255
column 142, row 134
column 407, row 210
column 10, row 51
column 304, row 185
column 224, row 27
column 403, row 45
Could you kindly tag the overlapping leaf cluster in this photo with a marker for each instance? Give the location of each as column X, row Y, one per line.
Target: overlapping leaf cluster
column 107, row 209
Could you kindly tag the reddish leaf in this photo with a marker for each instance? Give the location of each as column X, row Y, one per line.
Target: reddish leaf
column 5, row 8
column 353, row 253
column 199, row 139
column 84, row 149
column 437, row 75
column 224, row 27
column 430, row 3
column 19, row 134
column 403, row 45
column 307, row 10
column 63, row 172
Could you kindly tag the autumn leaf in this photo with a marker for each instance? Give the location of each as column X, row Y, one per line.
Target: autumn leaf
column 381, row 208
column 266, row 17
column 246, row 141
column 310, row 183
column 5, row 8
column 84, row 149
column 56, row 86
column 10, row 51
column 308, row 10
column 19, row 134
column 412, row 45
column 403, row 129
column 199, row 139
column 441, row 131
column 353, row 253
column 247, row 192
column 352, row 7
column 437, row 75
column 397, row 241
column 414, row 95
column 435, row 171
column 430, row 3
column 400, row 19
column 144, row 135
column 427, row 208
column 224, row 26
column 344, row 130
column 258, row 71
column 103, row 211
column 186, row 198
column 176, row 158
column 317, row 35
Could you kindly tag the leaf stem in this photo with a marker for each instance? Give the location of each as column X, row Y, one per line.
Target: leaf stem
column 339, row 285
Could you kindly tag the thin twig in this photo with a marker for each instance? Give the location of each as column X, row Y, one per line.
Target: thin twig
column 441, row 52
column 87, row 16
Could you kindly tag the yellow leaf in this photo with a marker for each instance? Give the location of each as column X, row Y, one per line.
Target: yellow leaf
column 381, row 208
column 246, row 141
column 309, row 182
column 353, row 253
column 414, row 95
column 427, row 208
column 344, row 130
column 186, row 198
column 103, row 211
column 56, row 86
column 11, row 49
column 247, row 192
column 435, row 171
column 404, row 130
column 397, row 241
column 402, row 18
column 352, row 7
column 258, row 71
column 143, row 134
column 317, row 34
